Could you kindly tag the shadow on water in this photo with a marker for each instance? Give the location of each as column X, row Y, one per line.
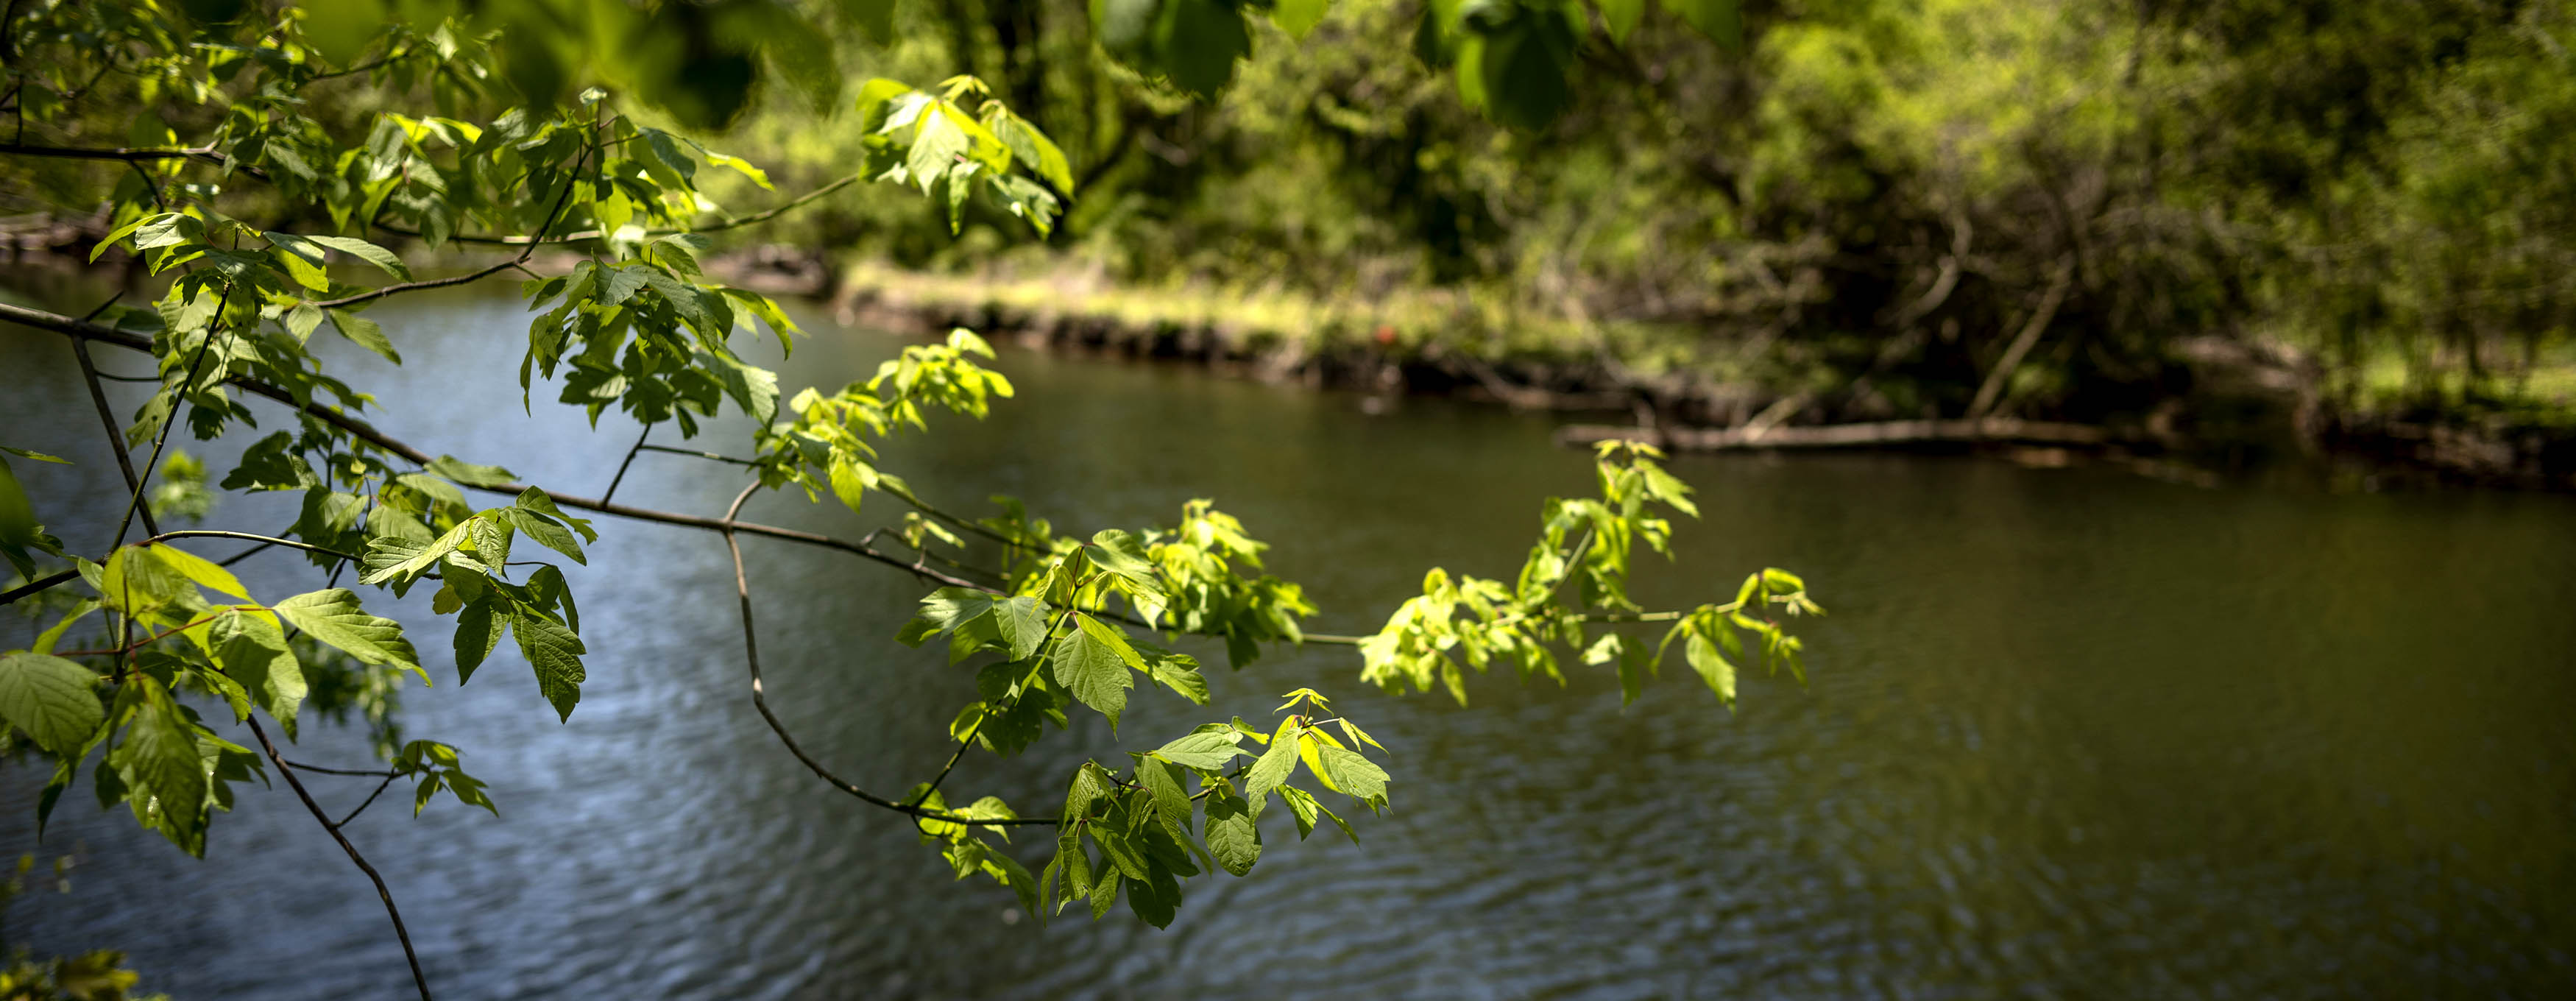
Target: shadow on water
column 2068, row 732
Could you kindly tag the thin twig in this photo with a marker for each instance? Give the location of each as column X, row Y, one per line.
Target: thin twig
column 400, row 287
column 369, row 801
column 365, row 774
column 592, row 234
column 630, row 460
column 168, row 422
column 693, row 453
column 969, row 740
column 760, row 697
column 264, row 540
column 115, row 435
column 417, row 978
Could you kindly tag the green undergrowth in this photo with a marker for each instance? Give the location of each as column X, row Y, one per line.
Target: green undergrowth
column 1405, row 324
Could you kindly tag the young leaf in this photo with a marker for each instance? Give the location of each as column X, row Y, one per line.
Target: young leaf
column 201, row 570
column 333, row 617
column 1203, row 751
column 1271, row 770
column 1349, row 771
column 392, row 557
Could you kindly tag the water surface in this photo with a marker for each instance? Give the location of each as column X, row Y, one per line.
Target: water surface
column 2068, row 732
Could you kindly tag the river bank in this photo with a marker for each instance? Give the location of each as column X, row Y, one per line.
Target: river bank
column 2237, row 407
column 2240, row 407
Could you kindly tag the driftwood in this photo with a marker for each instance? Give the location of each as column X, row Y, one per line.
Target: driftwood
column 1991, row 429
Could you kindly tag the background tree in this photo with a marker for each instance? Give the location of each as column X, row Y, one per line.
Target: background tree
column 260, row 162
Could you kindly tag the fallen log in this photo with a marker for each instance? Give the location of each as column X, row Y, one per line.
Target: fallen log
column 1990, row 429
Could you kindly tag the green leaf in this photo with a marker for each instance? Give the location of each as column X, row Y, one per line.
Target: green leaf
column 1621, row 17
column 1181, row 675
column 160, row 763
column 1035, row 151
column 470, row 474
column 850, row 480
column 1301, row 803
column 17, row 519
column 201, row 570
column 137, row 580
column 249, row 646
column 1232, row 836
column 1668, row 488
column 1119, row 551
column 333, row 617
column 1271, row 770
column 937, row 145
column 1018, row 623
column 124, row 231
column 1087, row 663
column 302, row 321
column 545, row 531
column 368, row 252
column 1162, row 779
column 754, row 388
column 1297, row 17
column 478, row 631
column 536, row 500
column 1352, row 772
column 1712, row 667
column 742, row 166
column 1205, row 751
column 364, row 333
column 555, row 653
column 50, row 699
column 392, row 557
column 1154, row 901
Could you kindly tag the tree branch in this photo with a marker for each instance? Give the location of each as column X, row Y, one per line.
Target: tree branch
column 417, row 978
column 168, row 423
column 401, row 287
column 367, row 774
column 630, row 460
column 39, row 584
column 368, row 433
column 115, row 435
column 578, row 236
column 369, row 801
column 760, row 697
column 126, row 153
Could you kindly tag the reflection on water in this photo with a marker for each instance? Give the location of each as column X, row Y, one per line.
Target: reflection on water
column 2069, row 732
